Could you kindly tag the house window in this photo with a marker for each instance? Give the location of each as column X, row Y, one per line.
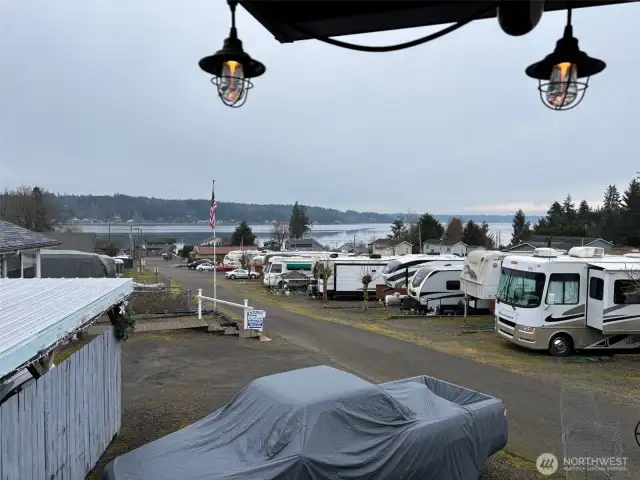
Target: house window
column 625, row 292
column 565, row 287
column 453, row 284
column 596, row 288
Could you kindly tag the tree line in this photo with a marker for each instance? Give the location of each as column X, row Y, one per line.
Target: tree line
column 429, row 228
column 617, row 220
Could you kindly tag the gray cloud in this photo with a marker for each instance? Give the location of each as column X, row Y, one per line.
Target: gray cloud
column 107, row 96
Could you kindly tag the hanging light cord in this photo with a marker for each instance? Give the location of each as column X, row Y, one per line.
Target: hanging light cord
column 399, row 46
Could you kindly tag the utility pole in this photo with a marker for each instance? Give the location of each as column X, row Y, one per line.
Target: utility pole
column 109, row 224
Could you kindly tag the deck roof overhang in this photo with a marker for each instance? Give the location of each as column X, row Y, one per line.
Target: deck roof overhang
column 332, row 18
column 37, row 313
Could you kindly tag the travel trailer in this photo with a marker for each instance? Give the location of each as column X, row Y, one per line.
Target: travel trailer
column 437, row 287
column 346, row 279
column 232, row 259
column 398, row 273
column 278, row 266
column 481, row 273
column 561, row 303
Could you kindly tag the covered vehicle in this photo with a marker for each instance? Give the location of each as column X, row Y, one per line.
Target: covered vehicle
column 322, row 423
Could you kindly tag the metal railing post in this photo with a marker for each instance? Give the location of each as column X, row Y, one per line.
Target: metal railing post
column 246, row 305
column 199, row 304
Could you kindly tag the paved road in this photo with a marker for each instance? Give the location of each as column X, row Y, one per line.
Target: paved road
column 538, row 411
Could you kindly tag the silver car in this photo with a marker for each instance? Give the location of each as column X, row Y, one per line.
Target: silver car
column 240, row 273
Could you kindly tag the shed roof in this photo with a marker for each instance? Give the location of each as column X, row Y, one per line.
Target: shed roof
column 293, row 20
column 13, row 237
column 35, row 314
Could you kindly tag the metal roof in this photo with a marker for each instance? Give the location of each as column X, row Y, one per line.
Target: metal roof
column 348, row 17
column 35, row 314
column 13, row 237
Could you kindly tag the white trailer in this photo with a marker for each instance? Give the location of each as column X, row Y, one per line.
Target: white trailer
column 561, row 303
column 437, row 287
column 399, row 272
column 279, row 265
column 347, row 273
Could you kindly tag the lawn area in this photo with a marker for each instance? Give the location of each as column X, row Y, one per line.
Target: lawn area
column 604, row 373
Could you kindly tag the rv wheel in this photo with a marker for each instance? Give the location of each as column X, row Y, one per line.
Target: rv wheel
column 561, row 345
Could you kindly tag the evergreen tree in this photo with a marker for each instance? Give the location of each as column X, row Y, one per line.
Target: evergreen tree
column 399, row 230
column 568, row 210
column 453, row 232
column 631, row 213
column 521, row 229
column 612, row 202
column 472, row 234
column 243, row 235
column 299, row 222
column 430, row 227
column 487, row 237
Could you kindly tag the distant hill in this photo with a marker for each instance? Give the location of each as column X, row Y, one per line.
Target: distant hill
column 158, row 210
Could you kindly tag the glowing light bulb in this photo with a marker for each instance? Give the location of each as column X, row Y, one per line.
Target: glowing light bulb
column 232, row 85
column 563, row 86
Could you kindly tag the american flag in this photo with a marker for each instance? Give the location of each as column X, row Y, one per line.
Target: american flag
column 214, row 206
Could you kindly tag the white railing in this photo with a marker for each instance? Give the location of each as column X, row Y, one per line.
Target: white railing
column 246, row 308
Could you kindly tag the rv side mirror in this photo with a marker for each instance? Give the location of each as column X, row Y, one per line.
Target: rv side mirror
column 551, row 298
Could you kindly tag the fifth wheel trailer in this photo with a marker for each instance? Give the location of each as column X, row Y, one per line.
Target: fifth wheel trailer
column 561, row 303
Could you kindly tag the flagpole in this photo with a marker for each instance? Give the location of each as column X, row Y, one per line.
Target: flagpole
column 215, row 260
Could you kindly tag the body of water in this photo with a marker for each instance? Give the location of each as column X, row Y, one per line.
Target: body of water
column 330, row 235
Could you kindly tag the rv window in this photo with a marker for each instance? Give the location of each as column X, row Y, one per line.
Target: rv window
column 391, row 266
column 453, row 284
column 596, row 288
column 275, row 268
column 625, row 292
column 565, row 287
column 520, row 289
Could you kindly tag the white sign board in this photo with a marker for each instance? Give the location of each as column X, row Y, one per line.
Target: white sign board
column 255, row 320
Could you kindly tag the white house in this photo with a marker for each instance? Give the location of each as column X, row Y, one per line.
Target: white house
column 20, row 249
column 444, row 247
column 386, row 247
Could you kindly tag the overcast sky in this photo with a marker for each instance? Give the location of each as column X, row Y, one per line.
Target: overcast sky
column 106, row 96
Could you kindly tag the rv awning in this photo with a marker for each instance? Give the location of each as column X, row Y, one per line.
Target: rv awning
column 36, row 313
column 335, row 18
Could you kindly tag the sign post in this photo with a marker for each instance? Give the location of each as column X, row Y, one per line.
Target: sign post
column 254, row 320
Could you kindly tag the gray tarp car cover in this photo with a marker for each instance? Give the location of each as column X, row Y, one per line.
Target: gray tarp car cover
column 70, row 264
column 322, row 423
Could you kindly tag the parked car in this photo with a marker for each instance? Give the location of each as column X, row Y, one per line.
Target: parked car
column 194, row 264
column 224, row 268
column 333, row 424
column 240, row 273
column 205, row 267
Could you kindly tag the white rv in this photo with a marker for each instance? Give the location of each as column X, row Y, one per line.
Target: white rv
column 232, row 259
column 279, row 265
column 481, row 273
column 346, row 279
column 398, row 273
column 437, row 286
column 560, row 303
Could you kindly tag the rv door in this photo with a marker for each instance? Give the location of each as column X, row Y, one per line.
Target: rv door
column 595, row 302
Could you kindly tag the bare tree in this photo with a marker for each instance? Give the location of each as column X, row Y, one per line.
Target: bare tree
column 27, row 207
column 366, row 277
column 245, row 261
column 632, row 284
column 280, row 232
column 322, row 270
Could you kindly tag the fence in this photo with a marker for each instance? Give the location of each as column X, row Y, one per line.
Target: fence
column 59, row 426
column 249, row 314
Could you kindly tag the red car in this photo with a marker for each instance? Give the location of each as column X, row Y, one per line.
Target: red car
column 223, row 268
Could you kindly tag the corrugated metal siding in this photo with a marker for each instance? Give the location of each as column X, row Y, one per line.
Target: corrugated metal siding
column 59, row 426
column 36, row 313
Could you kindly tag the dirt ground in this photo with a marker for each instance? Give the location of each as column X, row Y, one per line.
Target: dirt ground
column 172, row 379
column 596, row 371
